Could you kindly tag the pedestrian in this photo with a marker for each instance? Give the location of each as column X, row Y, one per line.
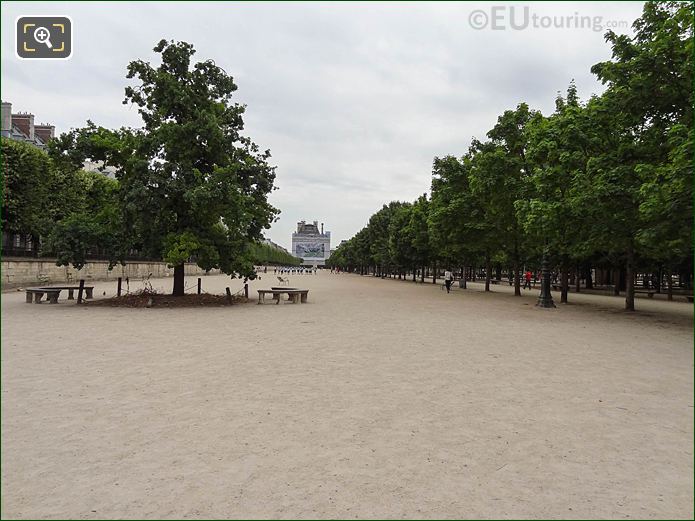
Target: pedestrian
column 527, row 279
column 448, row 280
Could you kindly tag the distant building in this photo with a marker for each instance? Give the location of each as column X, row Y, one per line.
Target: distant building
column 311, row 244
column 21, row 127
column 98, row 166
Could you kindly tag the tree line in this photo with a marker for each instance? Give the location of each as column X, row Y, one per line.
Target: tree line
column 66, row 212
column 604, row 182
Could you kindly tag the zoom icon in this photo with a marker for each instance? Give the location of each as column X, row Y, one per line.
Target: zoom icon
column 44, row 37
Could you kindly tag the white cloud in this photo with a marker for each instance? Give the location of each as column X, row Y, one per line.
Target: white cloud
column 353, row 99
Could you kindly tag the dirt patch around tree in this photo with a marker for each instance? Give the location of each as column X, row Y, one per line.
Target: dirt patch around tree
column 147, row 299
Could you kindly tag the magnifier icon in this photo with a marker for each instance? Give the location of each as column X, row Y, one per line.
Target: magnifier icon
column 42, row 35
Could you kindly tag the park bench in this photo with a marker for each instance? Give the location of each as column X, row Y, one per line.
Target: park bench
column 52, row 293
column 294, row 295
column 89, row 290
column 37, row 294
column 303, row 293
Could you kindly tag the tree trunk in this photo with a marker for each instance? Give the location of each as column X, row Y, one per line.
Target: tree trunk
column 616, row 281
column 669, row 283
column 414, row 273
column 488, row 271
column 434, row 273
column 589, row 280
column 564, row 282
column 498, row 273
column 578, row 280
column 422, row 275
column 178, row 281
column 629, row 280
column 658, row 279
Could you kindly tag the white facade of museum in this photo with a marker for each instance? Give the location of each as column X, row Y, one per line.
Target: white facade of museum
column 311, row 244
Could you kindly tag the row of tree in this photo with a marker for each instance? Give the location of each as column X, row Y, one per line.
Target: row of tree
column 267, row 254
column 40, row 194
column 602, row 182
column 69, row 213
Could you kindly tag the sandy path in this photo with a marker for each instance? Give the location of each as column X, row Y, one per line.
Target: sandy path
column 378, row 399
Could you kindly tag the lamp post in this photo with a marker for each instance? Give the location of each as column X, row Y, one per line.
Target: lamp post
column 545, row 299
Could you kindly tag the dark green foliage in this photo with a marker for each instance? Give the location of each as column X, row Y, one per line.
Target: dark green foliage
column 191, row 187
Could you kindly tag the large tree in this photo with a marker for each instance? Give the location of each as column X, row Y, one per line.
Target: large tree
column 648, row 173
column 191, row 187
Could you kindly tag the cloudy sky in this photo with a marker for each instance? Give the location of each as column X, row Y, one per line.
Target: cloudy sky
column 354, row 100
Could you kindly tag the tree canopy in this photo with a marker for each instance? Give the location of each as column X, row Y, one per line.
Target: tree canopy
column 190, row 185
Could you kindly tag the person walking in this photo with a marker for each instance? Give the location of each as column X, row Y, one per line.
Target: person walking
column 448, row 280
column 527, row 279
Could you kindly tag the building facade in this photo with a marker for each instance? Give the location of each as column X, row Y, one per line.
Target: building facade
column 311, row 244
column 21, row 127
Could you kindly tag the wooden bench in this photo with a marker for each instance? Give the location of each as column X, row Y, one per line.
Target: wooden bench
column 89, row 290
column 38, row 293
column 294, row 295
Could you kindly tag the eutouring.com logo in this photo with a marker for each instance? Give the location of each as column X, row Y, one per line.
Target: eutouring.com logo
column 520, row 18
column 44, row 37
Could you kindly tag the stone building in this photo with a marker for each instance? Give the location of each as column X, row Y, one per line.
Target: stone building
column 21, row 127
column 311, row 244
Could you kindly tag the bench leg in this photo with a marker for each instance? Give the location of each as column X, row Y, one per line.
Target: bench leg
column 89, row 292
column 304, row 298
column 30, row 297
column 71, row 294
column 53, row 299
column 37, row 298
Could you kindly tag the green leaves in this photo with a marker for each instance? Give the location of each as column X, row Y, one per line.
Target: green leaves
column 190, row 186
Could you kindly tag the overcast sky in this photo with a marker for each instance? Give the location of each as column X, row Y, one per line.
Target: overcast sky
column 354, row 100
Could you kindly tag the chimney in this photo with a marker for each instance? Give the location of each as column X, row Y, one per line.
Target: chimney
column 6, row 118
column 321, row 228
column 25, row 123
column 45, row 132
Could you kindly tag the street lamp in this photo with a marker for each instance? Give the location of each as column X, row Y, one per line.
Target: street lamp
column 545, row 299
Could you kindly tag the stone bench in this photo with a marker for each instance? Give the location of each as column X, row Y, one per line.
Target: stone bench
column 37, row 294
column 89, row 290
column 294, row 295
